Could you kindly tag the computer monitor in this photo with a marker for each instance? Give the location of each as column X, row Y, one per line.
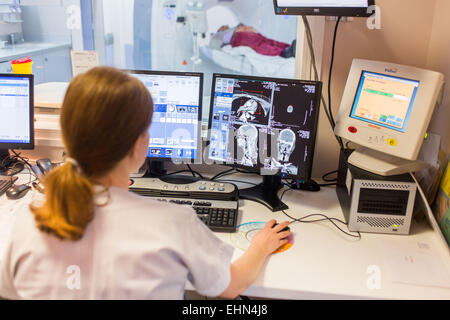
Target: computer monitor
column 345, row 8
column 16, row 115
column 387, row 108
column 264, row 125
column 175, row 132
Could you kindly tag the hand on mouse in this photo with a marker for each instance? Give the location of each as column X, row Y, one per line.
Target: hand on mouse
column 271, row 237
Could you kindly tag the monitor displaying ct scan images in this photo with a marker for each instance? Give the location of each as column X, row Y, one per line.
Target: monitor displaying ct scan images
column 263, row 124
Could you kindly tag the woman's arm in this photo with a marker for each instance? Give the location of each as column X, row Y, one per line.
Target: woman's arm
column 245, row 269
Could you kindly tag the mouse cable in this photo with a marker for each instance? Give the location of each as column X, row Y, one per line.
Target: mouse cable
column 324, row 218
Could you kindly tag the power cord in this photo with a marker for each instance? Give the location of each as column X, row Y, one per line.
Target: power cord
column 325, row 176
column 194, row 173
column 230, row 172
column 324, row 218
column 28, row 166
column 10, row 166
column 316, row 76
column 331, row 71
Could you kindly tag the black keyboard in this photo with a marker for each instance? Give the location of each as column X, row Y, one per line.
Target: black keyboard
column 218, row 219
column 6, row 183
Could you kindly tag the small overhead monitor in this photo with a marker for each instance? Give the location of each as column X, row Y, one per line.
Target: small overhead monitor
column 264, row 125
column 16, row 115
column 175, row 132
column 387, row 108
column 345, row 8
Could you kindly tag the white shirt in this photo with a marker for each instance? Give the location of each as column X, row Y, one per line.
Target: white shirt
column 135, row 248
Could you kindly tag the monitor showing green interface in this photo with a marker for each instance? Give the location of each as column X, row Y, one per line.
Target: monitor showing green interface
column 384, row 100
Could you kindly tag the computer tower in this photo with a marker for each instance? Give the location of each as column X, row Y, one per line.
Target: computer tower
column 373, row 203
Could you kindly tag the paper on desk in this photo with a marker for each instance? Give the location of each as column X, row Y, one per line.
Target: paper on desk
column 415, row 264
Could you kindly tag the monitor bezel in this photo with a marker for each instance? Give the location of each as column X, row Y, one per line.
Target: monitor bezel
column 404, row 145
column 325, row 11
column 198, row 156
column 259, row 167
column 30, row 145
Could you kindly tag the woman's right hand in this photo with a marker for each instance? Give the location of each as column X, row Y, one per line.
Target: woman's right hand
column 247, row 267
column 269, row 239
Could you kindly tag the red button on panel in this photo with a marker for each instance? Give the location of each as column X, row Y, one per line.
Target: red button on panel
column 352, row 129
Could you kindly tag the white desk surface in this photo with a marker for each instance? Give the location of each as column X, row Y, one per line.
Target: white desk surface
column 324, row 263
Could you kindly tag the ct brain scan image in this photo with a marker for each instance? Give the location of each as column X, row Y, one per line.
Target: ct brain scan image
column 286, row 144
column 247, row 141
column 285, row 147
column 266, row 123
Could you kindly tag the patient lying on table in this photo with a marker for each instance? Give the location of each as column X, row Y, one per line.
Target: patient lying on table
column 243, row 35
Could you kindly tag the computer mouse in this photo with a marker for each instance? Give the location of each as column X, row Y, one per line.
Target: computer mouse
column 285, row 229
column 17, row 191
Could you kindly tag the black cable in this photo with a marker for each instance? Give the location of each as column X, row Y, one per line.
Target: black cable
column 195, row 172
column 325, row 218
column 324, row 177
column 316, row 76
column 239, row 181
column 328, row 184
column 29, row 167
column 177, row 172
column 330, row 110
column 223, row 173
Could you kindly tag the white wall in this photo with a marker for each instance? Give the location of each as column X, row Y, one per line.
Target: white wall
column 414, row 32
column 439, row 59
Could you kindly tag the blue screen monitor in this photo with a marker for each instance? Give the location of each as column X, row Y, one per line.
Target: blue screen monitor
column 175, row 132
column 394, row 116
column 16, row 112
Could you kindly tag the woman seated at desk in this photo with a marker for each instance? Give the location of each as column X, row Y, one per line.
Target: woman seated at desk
column 89, row 238
column 243, row 35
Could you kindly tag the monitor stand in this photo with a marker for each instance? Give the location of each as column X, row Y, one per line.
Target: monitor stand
column 383, row 164
column 155, row 169
column 266, row 193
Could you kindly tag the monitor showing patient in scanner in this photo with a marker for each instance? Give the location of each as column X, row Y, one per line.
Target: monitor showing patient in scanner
column 384, row 100
column 264, row 123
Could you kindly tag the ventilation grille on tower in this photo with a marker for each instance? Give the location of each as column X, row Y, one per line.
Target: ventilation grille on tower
column 379, row 201
column 385, row 185
column 380, row 222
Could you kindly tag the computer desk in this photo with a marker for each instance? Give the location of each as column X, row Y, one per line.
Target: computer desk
column 324, row 263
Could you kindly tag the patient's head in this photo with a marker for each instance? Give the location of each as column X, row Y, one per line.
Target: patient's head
column 223, row 28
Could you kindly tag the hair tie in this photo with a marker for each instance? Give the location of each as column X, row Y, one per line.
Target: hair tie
column 74, row 163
